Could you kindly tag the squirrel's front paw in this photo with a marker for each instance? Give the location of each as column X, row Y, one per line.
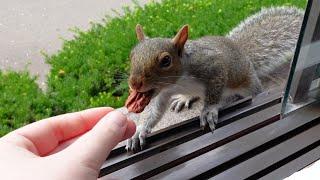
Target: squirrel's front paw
column 209, row 115
column 138, row 140
column 181, row 101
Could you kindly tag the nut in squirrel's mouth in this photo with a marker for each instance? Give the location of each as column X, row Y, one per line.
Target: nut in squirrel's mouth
column 137, row 101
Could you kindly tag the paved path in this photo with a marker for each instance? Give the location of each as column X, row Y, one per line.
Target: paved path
column 28, row 27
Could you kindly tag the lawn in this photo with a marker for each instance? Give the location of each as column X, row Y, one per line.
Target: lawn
column 91, row 69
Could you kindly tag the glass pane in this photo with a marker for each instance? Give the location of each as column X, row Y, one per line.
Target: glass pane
column 303, row 82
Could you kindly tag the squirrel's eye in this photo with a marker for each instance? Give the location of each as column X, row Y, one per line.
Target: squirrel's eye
column 165, row 61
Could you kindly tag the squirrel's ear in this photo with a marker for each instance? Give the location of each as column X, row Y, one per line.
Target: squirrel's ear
column 140, row 33
column 181, row 37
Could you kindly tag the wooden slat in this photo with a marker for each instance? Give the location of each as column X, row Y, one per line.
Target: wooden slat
column 254, row 166
column 198, row 146
column 187, row 130
column 294, row 165
column 164, row 135
column 164, row 139
column 221, row 158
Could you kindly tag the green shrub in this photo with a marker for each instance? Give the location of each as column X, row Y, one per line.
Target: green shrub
column 91, row 70
column 22, row 102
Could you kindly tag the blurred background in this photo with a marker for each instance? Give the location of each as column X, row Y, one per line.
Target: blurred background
column 29, row 27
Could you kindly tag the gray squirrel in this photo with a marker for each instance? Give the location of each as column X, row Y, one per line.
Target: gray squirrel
column 214, row 69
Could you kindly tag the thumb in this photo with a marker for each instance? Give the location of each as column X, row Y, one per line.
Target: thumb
column 93, row 147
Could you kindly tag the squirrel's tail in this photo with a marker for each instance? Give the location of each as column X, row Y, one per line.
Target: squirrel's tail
column 268, row 36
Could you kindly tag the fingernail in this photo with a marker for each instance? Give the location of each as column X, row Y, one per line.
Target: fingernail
column 118, row 118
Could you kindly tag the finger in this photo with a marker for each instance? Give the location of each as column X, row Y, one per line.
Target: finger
column 131, row 128
column 96, row 144
column 44, row 136
column 64, row 145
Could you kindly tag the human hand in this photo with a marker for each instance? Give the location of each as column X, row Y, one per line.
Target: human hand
column 69, row 146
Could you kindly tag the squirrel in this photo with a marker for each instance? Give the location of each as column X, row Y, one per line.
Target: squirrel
column 217, row 70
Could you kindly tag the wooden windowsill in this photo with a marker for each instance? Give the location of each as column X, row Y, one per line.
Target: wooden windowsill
column 247, row 130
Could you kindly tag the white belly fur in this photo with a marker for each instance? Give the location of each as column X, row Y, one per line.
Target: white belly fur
column 187, row 85
column 191, row 86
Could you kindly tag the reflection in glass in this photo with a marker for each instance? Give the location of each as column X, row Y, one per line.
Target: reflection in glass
column 303, row 82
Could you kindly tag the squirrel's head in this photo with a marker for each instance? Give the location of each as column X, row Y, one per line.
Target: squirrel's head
column 156, row 62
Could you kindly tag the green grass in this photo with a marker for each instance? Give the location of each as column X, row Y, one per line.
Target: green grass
column 90, row 70
column 22, row 102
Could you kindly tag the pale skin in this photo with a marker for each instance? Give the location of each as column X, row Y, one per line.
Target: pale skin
column 69, row 146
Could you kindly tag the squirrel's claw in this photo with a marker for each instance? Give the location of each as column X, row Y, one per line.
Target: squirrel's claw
column 209, row 116
column 129, row 144
column 181, row 101
column 212, row 125
column 137, row 141
column 142, row 139
column 132, row 145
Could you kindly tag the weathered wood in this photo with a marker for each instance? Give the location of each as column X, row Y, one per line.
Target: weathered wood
column 236, row 151
column 187, row 130
column 193, row 148
column 257, row 165
column 294, row 165
column 244, row 136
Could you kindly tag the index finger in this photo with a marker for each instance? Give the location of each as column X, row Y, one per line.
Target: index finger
column 45, row 135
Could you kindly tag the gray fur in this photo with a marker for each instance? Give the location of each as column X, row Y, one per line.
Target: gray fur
column 268, row 36
column 217, row 70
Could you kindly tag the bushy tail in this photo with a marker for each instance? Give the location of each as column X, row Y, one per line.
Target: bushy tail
column 268, row 36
